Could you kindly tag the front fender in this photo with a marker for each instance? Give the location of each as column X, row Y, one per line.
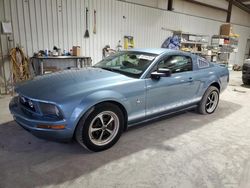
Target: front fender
column 93, row 99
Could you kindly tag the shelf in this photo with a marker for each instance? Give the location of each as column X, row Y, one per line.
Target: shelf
column 224, row 52
column 192, row 34
column 223, row 36
column 194, row 52
column 210, row 54
column 223, row 45
column 193, row 42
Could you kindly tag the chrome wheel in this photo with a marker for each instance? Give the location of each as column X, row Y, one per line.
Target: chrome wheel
column 212, row 101
column 103, row 128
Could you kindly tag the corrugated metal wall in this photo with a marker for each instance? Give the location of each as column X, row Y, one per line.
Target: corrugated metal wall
column 41, row 24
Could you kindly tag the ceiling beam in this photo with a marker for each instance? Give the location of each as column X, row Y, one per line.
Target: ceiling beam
column 206, row 5
column 242, row 1
column 240, row 5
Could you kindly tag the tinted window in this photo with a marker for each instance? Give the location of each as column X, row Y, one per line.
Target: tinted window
column 202, row 63
column 177, row 64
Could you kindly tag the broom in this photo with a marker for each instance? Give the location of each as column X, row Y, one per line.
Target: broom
column 94, row 30
column 86, row 35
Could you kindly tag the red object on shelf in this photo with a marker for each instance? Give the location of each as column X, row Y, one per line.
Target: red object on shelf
column 226, row 41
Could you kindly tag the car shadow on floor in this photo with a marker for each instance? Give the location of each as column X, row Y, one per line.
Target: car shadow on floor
column 245, row 86
column 27, row 161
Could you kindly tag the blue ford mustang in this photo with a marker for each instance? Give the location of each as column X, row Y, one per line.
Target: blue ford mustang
column 95, row 105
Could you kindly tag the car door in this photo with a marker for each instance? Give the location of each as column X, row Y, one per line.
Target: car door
column 169, row 93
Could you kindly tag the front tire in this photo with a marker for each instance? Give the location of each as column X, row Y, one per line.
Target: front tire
column 102, row 128
column 209, row 101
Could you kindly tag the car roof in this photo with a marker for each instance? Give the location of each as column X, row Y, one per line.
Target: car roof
column 157, row 51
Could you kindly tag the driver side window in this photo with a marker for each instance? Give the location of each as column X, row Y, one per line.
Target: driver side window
column 177, row 63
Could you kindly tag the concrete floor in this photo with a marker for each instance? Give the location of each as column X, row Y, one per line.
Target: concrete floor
column 186, row 150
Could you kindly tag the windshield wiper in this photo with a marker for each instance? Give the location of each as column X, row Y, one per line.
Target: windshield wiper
column 109, row 69
column 117, row 71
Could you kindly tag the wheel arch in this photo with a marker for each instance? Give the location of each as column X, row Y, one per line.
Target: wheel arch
column 123, row 109
column 92, row 108
column 216, row 84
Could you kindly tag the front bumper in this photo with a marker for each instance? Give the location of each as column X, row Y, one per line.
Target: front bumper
column 30, row 124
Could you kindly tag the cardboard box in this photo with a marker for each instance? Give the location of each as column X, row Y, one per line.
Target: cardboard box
column 226, row 29
column 76, row 51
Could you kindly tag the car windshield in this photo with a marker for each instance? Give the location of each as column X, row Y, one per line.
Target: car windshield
column 129, row 63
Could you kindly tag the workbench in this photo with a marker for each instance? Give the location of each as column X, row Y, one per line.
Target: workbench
column 80, row 61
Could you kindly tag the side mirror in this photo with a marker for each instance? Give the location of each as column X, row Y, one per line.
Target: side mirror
column 161, row 72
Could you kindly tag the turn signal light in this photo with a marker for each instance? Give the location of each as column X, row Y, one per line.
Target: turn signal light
column 51, row 126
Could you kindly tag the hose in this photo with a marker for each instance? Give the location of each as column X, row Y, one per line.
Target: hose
column 19, row 64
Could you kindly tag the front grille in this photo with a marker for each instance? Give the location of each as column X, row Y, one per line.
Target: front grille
column 27, row 103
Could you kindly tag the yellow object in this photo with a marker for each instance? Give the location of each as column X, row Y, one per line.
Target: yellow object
column 186, row 49
column 234, row 35
column 128, row 42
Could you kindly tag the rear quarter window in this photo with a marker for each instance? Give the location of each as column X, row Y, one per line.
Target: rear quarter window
column 202, row 63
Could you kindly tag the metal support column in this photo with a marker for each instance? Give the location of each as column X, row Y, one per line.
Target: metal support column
column 170, row 5
column 229, row 10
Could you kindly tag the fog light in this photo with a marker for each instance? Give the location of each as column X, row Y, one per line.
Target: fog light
column 51, row 126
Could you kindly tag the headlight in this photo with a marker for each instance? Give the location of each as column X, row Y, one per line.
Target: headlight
column 31, row 105
column 27, row 103
column 50, row 110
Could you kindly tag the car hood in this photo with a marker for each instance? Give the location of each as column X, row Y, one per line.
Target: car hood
column 57, row 86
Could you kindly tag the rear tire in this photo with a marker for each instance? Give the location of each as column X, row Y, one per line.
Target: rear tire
column 209, row 101
column 245, row 82
column 102, row 128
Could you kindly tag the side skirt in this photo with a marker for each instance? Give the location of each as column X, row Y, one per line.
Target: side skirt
column 168, row 113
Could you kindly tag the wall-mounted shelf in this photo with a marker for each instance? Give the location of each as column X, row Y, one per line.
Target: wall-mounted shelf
column 194, row 43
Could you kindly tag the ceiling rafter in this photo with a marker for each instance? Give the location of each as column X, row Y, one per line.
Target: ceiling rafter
column 206, row 5
column 242, row 4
